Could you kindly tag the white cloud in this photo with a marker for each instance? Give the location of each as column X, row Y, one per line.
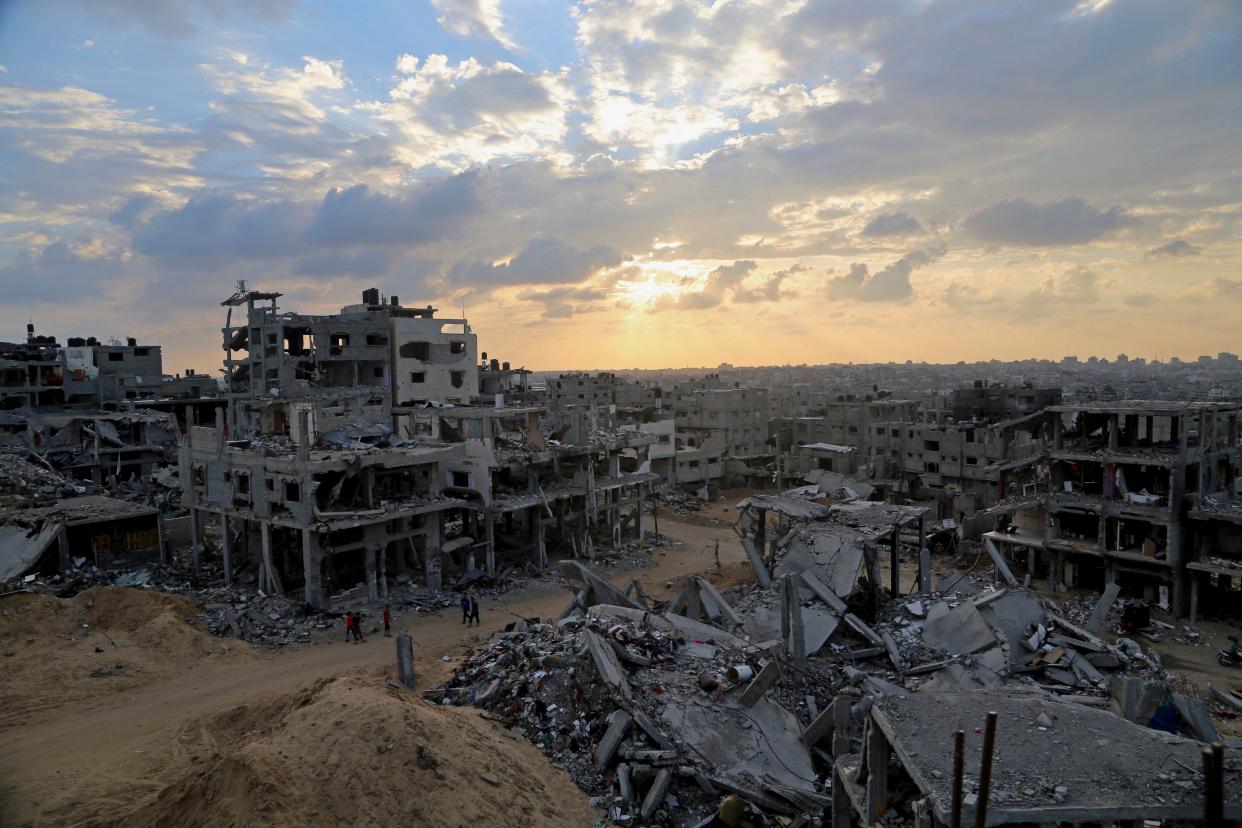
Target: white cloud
column 455, row 115
column 890, row 284
column 473, row 18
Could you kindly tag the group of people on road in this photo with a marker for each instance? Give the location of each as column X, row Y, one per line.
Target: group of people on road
column 353, row 625
column 353, row 620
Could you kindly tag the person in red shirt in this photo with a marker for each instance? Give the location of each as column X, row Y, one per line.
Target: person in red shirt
column 349, row 625
column 387, row 623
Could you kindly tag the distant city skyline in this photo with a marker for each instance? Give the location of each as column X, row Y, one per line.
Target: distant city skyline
column 643, row 184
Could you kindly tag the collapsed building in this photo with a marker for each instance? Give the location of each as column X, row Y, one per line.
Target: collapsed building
column 1126, row 494
column 354, row 449
column 829, row 691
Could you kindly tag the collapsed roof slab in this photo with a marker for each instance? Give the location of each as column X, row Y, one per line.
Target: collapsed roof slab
column 833, row 554
column 791, row 507
column 1108, row 769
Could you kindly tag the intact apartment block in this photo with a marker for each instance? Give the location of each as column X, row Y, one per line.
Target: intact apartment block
column 355, row 449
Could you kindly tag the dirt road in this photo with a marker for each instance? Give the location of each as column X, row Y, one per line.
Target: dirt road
column 61, row 765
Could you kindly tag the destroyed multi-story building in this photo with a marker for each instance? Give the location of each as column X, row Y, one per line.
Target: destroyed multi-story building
column 353, row 451
column 992, row 402
column 40, row 373
column 740, row 415
column 380, row 356
column 843, row 421
column 1124, row 493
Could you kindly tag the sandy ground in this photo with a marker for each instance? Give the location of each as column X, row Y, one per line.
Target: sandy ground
column 135, row 747
column 188, row 733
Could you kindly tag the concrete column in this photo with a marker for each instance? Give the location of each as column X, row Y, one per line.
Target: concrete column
column 159, row 525
column 263, row 584
column 539, row 554
column 1177, row 601
column 489, row 533
column 642, row 507
column 924, row 559
column 614, row 518
column 368, row 562
column 894, row 561
column 268, row 566
column 431, row 552
column 226, row 549
column 383, row 570
column 195, row 540
column 405, row 660
column 796, row 639
column 1194, row 596
column 62, row 539
column 311, row 556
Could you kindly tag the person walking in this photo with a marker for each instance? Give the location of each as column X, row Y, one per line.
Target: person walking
column 387, row 623
column 474, row 611
column 349, row 625
column 465, row 609
column 358, row 636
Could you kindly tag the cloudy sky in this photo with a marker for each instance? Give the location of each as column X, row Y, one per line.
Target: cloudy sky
column 646, row 183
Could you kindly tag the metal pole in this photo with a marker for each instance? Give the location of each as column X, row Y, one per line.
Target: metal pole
column 1213, row 786
column 959, row 767
column 985, row 771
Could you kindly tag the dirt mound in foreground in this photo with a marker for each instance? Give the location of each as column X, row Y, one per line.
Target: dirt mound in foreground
column 352, row 751
column 55, row 651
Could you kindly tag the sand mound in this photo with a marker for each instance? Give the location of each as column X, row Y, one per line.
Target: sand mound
column 352, row 751
column 107, row 639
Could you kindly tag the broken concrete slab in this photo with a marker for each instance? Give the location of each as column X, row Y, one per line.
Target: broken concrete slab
column 618, row 724
column 823, row 593
column 760, row 683
column 751, row 746
column 1100, row 614
column 961, row 630
column 955, row 582
column 609, row 666
column 598, row 591
column 1196, row 720
column 721, row 604
column 756, row 561
column 656, row 793
column 1002, row 566
column 1011, row 615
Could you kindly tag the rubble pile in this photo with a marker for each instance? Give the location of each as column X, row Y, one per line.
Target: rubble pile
column 664, row 716
column 27, row 480
column 679, row 502
column 642, row 710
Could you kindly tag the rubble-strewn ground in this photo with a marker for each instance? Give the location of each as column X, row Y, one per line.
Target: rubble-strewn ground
column 178, row 729
column 112, row 745
column 100, row 642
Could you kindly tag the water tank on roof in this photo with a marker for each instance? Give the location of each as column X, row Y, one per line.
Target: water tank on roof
column 496, row 364
column 131, row 342
column 370, row 296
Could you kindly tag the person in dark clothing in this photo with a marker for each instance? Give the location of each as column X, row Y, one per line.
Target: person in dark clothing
column 465, row 609
column 358, row 628
column 349, row 625
column 474, row 612
column 387, row 623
